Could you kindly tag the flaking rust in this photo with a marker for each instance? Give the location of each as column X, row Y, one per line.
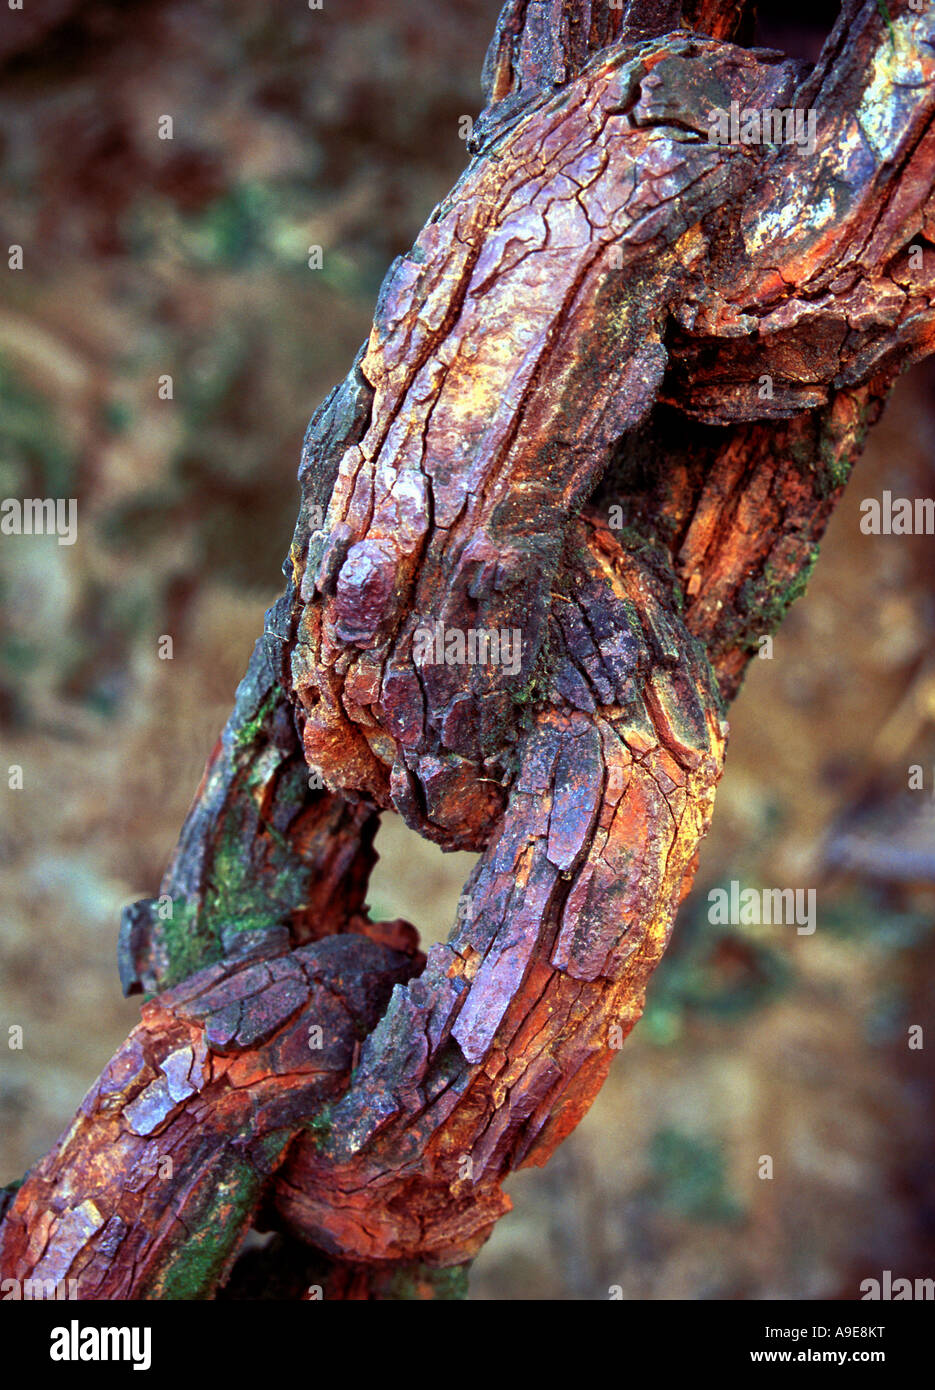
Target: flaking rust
column 522, row 446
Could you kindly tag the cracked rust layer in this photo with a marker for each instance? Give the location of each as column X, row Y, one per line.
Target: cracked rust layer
column 558, row 426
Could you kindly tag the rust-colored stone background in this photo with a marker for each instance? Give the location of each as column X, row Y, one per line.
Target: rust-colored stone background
column 340, row 128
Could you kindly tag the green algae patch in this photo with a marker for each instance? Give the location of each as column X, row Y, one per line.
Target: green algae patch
column 419, row 1281
column 189, row 942
column 218, row 1214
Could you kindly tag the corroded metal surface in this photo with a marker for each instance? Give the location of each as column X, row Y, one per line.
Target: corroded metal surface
column 609, row 401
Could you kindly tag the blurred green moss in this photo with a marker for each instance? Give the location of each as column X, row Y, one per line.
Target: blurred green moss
column 690, row 1177
column 719, row 972
column 33, row 455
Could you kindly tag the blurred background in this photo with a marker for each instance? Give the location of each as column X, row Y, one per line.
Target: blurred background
column 144, row 257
